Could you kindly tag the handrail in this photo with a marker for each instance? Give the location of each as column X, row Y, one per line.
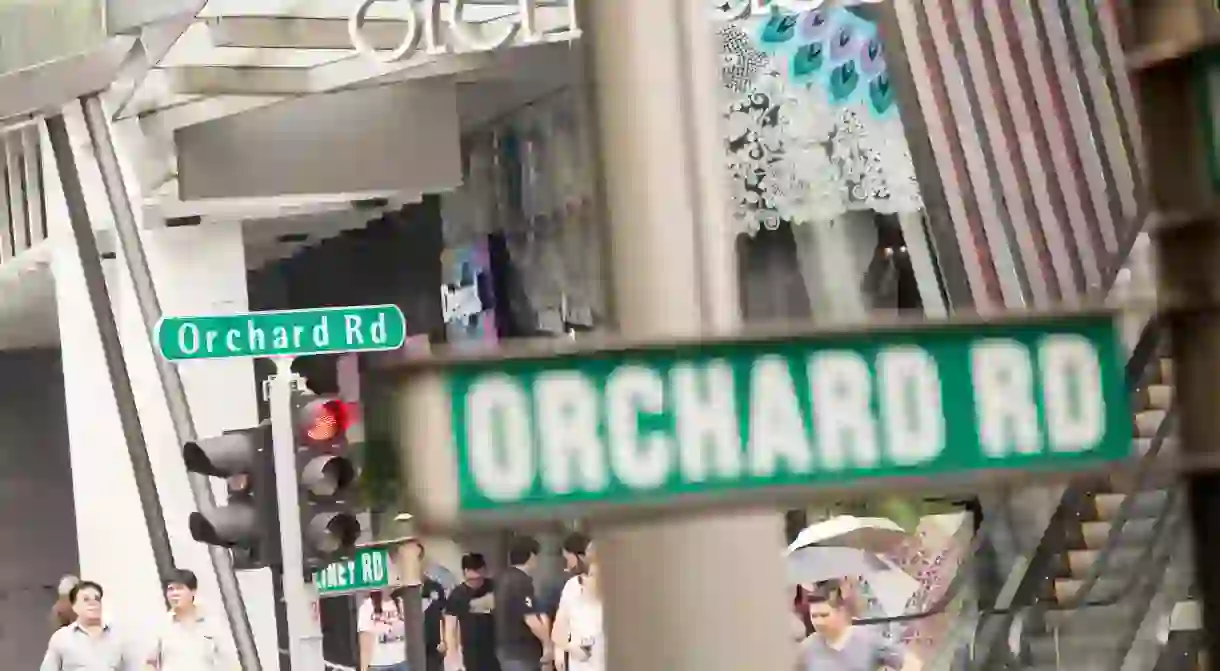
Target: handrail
column 1155, row 577
column 1163, row 533
column 1036, row 572
column 1143, row 352
column 1127, row 244
column 1116, row 525
column 1160, row 527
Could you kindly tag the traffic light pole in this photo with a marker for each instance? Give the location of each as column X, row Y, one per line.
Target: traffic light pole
column 702, row 594
column 304, row 633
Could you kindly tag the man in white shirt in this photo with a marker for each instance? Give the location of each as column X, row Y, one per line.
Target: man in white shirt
column 188, row 641
column 88, row 643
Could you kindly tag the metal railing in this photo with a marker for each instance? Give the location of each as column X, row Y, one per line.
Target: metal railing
column 1043, row 561
column 995, row 621
column 23, row 220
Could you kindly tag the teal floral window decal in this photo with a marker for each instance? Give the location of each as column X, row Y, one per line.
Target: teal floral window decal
column 813, row 124
column 835, row 49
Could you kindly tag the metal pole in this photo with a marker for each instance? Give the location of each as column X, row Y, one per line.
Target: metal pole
column 412, row 605
column 112, row 346
column 175, row 393
column 702, row 594
column 410, row 600
column 1189, row 290
column 304, row 637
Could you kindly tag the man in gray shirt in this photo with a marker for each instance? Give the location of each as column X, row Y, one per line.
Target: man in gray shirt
column 838, row 645
column 88, row 644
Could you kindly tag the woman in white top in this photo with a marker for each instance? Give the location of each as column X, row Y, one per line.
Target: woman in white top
column 580, row 643
column 383, row 634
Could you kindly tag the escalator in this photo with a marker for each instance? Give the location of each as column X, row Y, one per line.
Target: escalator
column 1112, row 564
column 1109, row 585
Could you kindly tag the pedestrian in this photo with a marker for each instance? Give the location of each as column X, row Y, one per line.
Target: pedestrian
column 574, row 549
column 523, row 636
column 577, row 633
column 839, row 645
column 190, row 640
column 382, row 633
column 470, row 627
column 88, row 643
column 62, row 614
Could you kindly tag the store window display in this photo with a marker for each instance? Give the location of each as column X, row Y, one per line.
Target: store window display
column 528, row 191
column 815, row 147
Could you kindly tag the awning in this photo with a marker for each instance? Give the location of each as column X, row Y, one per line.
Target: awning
column 233, row 55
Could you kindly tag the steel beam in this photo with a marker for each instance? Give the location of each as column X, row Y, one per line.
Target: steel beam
column 49, row 85
column 175, row 393
column 112, row 347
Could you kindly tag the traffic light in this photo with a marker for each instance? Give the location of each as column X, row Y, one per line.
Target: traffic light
column 326, row 473
column 249, row 522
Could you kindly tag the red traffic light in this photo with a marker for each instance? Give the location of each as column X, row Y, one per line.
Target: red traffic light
column 327, row 420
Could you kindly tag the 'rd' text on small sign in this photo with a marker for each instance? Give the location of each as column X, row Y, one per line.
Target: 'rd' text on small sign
column 370, row 569
column 653, row 426
column 365, row 328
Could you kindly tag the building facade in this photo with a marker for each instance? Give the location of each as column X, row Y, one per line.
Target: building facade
column 942, row 158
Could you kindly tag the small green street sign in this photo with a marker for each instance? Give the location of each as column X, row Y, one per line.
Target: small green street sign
column 370, row 569
column 363, row 328
column 700, row 423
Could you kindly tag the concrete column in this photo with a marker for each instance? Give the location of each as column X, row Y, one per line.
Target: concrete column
column 705, row 593
column 198, row 270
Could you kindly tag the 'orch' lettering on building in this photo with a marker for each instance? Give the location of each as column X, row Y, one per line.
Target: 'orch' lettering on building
column 437, row 28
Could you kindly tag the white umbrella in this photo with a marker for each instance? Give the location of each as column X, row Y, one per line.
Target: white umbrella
column 817, row 563
column 847, row 546
column 875, row 534
column 890, row 585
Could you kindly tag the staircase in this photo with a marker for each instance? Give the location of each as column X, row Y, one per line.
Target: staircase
column 1114, row 560
column 1099, row 553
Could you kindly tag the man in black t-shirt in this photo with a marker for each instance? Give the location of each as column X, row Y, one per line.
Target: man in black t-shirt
column 433, row 596
column 469, row 619
column 523, row 630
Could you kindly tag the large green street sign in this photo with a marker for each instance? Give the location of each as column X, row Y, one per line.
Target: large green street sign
column 363, row 328
column 540, row 435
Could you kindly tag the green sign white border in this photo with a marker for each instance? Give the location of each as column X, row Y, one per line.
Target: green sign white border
column 156, row 333
column 430, row 472
column 391, row 546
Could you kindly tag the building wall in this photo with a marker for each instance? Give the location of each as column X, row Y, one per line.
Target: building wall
column 197, row 270
column 37, row 520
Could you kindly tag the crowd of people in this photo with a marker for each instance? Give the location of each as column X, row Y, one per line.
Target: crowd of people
column 484, row 623
column 506, row 622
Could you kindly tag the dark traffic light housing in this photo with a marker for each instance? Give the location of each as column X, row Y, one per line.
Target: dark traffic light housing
column 326, row 474
column 248, row 523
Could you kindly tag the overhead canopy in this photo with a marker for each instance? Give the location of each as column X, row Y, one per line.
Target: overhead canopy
column 245, row 53
column 51, row 85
